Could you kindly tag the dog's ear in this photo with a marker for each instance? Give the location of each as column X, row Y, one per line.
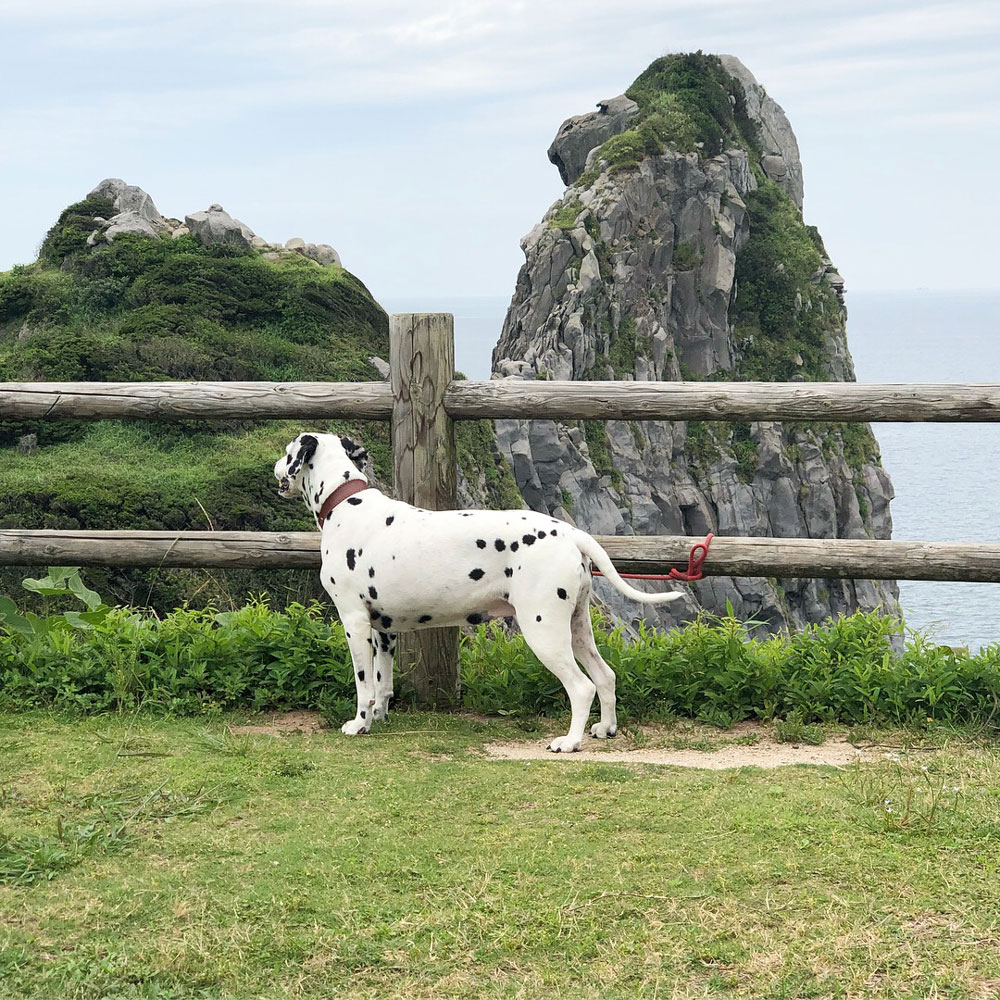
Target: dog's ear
column 355, row 452
column 307, row 448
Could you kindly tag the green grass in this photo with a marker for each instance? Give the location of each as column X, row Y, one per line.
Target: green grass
column 170, row 859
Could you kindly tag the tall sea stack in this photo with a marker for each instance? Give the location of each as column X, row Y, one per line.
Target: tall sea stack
column 678, row 251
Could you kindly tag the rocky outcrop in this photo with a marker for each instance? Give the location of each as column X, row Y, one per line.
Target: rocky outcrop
column 216, row 225
column 780, row 159
column 577, row 136
column 652, row 271
column 135, row 212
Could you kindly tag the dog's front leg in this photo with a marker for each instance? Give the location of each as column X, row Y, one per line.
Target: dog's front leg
column 359, row 640
column 385, row 647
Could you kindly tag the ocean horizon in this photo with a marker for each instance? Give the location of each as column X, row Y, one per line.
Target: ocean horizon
column 946, row 476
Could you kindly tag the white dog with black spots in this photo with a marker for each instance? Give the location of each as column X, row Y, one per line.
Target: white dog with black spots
column 390, row 567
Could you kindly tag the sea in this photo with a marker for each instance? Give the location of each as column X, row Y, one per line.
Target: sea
column 946, row 476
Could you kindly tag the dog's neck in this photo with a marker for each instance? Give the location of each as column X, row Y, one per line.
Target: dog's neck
column 321, row 482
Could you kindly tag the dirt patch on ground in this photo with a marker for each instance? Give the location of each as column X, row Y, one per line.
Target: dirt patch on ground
column 765, row 753
column 285, row 724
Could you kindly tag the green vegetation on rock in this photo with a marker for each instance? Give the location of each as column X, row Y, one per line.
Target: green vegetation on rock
column 686, row 102
column 784, row 313
column 483, row 465
column 155, row 310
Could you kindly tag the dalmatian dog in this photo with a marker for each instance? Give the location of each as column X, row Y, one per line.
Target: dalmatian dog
column 391, row 567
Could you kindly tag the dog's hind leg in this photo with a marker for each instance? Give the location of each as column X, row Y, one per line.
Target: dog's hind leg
column 551, row 643
column 384, row 649
column 361, row 641
column 585, row 650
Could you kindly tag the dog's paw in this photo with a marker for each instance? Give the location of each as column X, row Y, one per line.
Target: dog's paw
column 602, row 730
column 354, row 727
column 564, row 744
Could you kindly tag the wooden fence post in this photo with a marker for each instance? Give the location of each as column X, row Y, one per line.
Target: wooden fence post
column 425, row 463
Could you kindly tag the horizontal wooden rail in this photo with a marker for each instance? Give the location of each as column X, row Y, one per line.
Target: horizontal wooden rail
column 195, row 400
column 846, row 558
column 513, row 398
column 848, row 401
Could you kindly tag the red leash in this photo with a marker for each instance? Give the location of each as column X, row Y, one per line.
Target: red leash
column 696, row 559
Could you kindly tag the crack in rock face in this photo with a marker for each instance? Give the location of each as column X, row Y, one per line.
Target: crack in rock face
column 637, row 273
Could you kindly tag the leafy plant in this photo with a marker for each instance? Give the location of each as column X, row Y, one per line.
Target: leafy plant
column 60, row 582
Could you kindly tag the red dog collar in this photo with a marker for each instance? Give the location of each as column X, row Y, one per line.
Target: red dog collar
column 339, row 495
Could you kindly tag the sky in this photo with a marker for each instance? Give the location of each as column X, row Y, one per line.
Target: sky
column 412, row 135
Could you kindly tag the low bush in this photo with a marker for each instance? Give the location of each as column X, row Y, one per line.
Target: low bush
column 846, row 670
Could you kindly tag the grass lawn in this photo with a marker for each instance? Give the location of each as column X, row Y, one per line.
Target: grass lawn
column 156, row 858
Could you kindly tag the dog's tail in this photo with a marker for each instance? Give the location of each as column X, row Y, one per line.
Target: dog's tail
column 590, row 548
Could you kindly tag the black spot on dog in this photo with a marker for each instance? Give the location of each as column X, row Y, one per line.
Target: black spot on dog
column 424, row 618
column 350, row 558
column 508, row 572
column 553, row 532
column 348, row 634
column 363, row 713
column 361, row 552
column 538, row 618
column 373, row 593
column 561, row 593
column 378, row 675
column 332, row 580
column 500, row 545
column 528, row 539
column 371, row 572
column 513, row 546
column 288, row 460
column 541, row 534
column 361, row 676
column 354, row 501
column 347, row 475
column 374, row 613
column 474, row 619
column 386, row 621
column 389, row 520
column 476, row 574
column 481, row 543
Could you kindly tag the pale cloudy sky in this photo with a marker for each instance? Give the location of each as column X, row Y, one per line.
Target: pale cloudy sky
column 411, row 135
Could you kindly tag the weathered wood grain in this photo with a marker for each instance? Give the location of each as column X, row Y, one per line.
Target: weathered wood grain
column 509, row 398
column 845, row 558
column 195, row 400
column 425, row 467
column 847, row 401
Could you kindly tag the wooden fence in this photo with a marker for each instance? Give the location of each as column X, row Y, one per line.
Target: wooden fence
column 422, row 401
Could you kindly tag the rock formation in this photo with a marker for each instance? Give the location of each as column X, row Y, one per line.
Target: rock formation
column 679, row 252
column 135, row 212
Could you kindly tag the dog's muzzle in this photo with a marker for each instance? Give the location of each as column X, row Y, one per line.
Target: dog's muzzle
column 284, row 487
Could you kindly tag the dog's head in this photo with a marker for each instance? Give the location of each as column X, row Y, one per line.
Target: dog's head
column 340, row 457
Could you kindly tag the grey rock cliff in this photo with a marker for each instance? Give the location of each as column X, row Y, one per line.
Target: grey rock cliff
column 634, row 277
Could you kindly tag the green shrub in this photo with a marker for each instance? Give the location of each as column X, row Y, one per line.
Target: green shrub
column 845, row 670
